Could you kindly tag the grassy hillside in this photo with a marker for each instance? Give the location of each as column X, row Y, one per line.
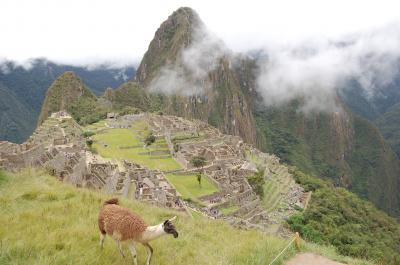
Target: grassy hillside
column 49, row 222
column 127, row 144
column 354, row 226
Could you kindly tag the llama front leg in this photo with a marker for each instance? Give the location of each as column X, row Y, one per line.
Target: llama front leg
column 120, row 248
column 132, row 249
column 102, row 237
column 149, row 253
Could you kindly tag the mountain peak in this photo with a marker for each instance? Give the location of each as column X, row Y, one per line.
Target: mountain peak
column 171, row 37
column 65, row 90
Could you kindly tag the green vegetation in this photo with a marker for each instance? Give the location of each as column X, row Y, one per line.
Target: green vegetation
column 149, row 139
column 257, row 182
column 129, row 110
column 89, row 143
column 88, row 134
column 49, row 222
column 95, row 126
column 3, row 177
column 127, row 144
column 68, row 93
column 87, row 110
column 128, row 98
column 354, row 226
column 229, row 210
column 186, row 185
column 389, row 125
column 17, row 120
column 344, row 148
column 22, row 92
column 198, row 162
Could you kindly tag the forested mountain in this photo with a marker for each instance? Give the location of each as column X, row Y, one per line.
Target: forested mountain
column 27, row 86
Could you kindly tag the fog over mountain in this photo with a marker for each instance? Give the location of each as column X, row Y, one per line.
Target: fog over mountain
column 314, row 70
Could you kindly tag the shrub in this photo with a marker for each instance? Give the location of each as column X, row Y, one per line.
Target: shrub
column 88, row 134
column 150, row 139
column 257, row 182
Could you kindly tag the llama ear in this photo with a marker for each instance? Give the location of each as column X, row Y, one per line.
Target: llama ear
column 172, row 219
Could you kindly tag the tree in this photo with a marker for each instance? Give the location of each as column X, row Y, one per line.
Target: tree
column 89, row 143
column 198, row 162
column 88, row 134
column 257, row 182
column 149, row 139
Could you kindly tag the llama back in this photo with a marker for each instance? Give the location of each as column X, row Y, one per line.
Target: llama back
column 119, row 222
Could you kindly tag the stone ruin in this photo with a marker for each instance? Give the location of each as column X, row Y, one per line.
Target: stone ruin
column 58, row 146
column 228, row 167
column 153, row 187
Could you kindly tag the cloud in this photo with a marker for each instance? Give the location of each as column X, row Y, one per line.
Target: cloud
column 187, row 76
column 316, row 69
column 6, row 66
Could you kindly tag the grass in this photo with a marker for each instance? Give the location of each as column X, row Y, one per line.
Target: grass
column 126, row 144
column 95, row 126
column 50, row 222
column 188, row 186
column 229, row 210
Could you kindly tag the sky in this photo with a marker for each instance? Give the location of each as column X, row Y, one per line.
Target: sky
column 86, row 32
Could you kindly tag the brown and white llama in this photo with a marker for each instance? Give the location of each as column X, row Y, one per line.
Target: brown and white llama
column 125, row 226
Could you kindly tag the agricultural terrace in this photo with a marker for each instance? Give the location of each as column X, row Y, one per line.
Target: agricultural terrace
column 128, row 144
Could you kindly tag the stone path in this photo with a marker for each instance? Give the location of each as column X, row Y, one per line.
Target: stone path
column 311, row 259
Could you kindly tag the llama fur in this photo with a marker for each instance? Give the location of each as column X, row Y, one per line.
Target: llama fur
column 125, row 226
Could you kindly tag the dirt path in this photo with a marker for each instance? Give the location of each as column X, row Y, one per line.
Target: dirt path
column 311, row 259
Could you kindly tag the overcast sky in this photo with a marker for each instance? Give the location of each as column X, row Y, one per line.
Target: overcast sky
column 81, row 32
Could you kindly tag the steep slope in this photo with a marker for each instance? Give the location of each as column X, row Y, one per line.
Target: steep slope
column 354, row 226
column 343, row 147
column 389, row 125
column 130, row 94
column 16, row 123
column 217, row 98
column 68, row 93
column 29, row 85
column 339, row 146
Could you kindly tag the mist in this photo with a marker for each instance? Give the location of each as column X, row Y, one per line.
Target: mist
column 313, row 70
column 188, row 75
column 6, row 65
column 316, row 69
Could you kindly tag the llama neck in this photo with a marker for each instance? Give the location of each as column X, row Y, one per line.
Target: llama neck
column 153, row 232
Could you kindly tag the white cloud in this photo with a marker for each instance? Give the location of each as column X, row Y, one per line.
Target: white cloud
column 78, row 31
column 188, row 76
column 315, row 69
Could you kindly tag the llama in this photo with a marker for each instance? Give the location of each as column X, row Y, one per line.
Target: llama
column 123, row 225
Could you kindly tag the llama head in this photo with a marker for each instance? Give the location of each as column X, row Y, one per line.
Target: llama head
column 169, row 228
